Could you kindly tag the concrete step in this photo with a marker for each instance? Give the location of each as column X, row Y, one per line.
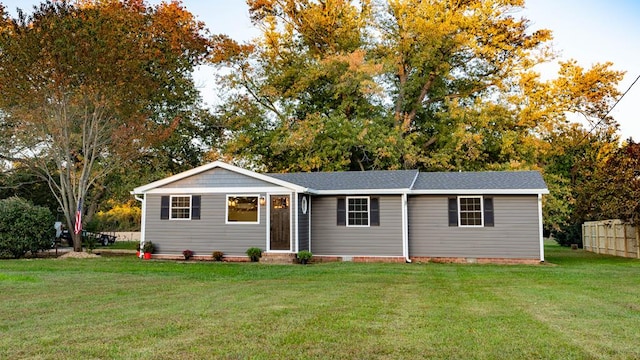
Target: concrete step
column 278, row 258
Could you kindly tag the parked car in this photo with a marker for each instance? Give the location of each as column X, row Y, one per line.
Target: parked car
column 102, row 238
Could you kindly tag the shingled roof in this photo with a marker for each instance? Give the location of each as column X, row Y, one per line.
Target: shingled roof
column 486, row 180
column 383, row 181
column 423, row 182
column 351, row 180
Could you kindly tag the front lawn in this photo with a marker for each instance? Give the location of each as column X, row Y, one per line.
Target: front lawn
column 577, row 306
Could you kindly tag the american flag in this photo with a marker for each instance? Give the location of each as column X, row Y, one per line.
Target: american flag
column 78, row 226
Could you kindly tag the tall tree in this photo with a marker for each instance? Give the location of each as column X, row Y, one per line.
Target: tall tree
column 372, row 84
column 87, row 86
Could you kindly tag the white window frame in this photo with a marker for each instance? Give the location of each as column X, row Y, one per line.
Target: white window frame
column 226, row 211
column 368, row 210
column 481, row 211
column 171, row 207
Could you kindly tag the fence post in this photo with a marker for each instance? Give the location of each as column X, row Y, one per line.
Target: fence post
column 626, row 245
column 638, row 240
column 615, row 238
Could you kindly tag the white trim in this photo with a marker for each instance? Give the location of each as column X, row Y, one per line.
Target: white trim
column 540, row 227
column 346, row 214
column 226, row 212
column 415, row 178
column 309, row 221
column 143, row 217
column 207, row 190
column 216, row 164
column 481, row 212
column 296, row 235
column 480, row 192
column 171, row 218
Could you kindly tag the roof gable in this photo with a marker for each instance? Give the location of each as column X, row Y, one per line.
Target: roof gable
column 181, row 179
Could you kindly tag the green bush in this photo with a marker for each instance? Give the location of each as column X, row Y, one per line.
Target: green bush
column 304, row 256
column 24, row 227
column 254, row 253
column 148, row 247
column 218, row 255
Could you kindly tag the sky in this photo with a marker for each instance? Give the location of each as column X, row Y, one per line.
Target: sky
column 589, row 31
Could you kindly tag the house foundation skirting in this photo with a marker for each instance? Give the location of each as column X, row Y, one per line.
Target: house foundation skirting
column 199, row 258
column 375, row 259
column 290, row 258
column 467, row 260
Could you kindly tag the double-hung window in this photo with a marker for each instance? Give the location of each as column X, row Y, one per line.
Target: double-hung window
column 357, row 211
column 180, row 207
column 471, row 211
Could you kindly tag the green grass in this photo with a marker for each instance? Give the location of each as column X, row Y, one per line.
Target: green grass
column 577, row 306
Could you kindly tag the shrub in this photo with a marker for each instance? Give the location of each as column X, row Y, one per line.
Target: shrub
column 254, row 253
column 148, row 247
column 304, row 256
column 90, row 242
column 24, row 227
column 218, row 255
column 187, row 254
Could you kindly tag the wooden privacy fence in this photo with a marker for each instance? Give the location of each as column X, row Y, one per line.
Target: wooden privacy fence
column 612, row 237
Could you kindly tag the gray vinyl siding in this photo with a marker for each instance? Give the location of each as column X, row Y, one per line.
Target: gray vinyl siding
column 218, row 178
column 515, row 234
column 330, row 239
column 205, row 235
column 303, row 224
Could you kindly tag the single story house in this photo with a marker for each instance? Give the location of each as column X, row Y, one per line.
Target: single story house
column 394, row 215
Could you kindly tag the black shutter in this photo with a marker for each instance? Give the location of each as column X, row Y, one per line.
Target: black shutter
column 374, row 212
column 342, row 212
column 164, row 208
column 453, row 211
column 195, row 207
column 488, row 211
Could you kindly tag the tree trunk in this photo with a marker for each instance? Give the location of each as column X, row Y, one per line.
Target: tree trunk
column 77, row 241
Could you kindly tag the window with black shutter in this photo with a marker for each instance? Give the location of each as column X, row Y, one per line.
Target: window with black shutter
column 180, row 207
column 471, row 211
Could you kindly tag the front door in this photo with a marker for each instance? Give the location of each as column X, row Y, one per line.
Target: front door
column 280, row 219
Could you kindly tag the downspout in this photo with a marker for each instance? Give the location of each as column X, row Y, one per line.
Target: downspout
column 295, row 220
column 405, row 229
column 540, row 228
column 142, row 220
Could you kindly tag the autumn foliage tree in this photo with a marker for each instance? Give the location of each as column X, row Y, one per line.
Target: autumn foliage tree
column 87, row 86
column 369, row 84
